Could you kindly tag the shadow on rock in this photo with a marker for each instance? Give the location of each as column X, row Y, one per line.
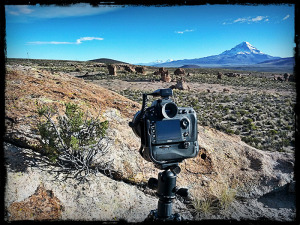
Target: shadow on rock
column 281, row 198
column 19, row 160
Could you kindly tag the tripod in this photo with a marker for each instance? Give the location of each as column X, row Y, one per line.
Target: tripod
column 166, row 190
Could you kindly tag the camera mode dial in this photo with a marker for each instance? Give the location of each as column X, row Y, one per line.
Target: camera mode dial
column 184, row 123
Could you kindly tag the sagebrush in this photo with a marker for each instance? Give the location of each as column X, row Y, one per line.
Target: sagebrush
column 73, row 140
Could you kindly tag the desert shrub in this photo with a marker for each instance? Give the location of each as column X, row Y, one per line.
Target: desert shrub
column 72, row 141
column 246, row 113
column 248, row 121
column 272, row 132
column 258, row 124
column 252, row 126
column 229, row 131
column 205, row 207
column 227, row 197
column 237, row 132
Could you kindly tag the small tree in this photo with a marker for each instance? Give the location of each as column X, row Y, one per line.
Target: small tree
column 72, row 142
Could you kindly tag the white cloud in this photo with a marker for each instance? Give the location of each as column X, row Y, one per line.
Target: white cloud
column 181, row 32
column 17, row 10
column 242, row 20
column 78, row 41
column 248, row 20
column 287, row 16
column 258, row 18
column 53, row 11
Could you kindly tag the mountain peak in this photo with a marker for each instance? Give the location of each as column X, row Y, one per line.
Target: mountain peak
column 243, row 48
column 242, row 54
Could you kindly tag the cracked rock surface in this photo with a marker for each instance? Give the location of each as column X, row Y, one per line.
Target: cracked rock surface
column 33, row 193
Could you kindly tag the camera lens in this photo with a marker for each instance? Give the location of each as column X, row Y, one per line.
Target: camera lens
column 169, row 110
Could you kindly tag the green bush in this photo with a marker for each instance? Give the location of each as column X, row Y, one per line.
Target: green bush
column 73, row 141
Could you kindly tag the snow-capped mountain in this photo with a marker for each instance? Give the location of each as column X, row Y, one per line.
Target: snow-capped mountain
column 243, row 48
column 155, row 62
column 242, row 54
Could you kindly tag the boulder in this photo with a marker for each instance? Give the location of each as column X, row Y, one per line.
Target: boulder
column 129, row 68
column 161, row 70
column 181, row 85
column 179, row 71
column 112, row 70
column 291, row 78
column 140, row 69
column 286, row 76
column 165, row 77
column 280, row 79
column 164, row 74
column 125, row 67
column 220, row 75
column 156, row 72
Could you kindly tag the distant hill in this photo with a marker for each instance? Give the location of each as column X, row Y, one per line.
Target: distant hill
column 282, row 65
column 107, row 61
column 191, row 66
column 290, row 61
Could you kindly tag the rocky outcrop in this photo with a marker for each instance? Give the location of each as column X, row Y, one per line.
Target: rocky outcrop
column 112, row 70
column 45, row 197
column 286, row 76
column 42, row 205
column 156, row 72
column 291, row 78
column 280, row 79
column 179, row 71
column 219, row 76
column 126, row 67
column 129, row 68
column 140, row 69
column 164, row 75
column 28, row 86
column 181, row 85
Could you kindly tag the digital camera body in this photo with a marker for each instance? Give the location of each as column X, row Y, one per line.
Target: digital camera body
column 168, row 133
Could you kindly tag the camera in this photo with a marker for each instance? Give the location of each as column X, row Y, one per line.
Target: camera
column 168, row 133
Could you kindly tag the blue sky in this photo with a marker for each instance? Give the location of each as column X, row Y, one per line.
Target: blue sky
column 139, row 34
